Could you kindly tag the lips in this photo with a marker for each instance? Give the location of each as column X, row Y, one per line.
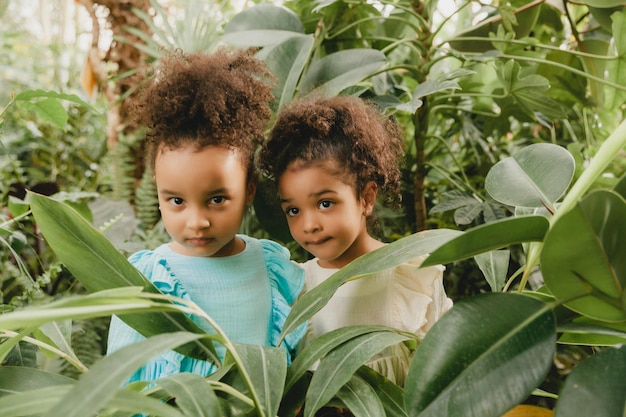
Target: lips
column 318, row 242
column 199, row 241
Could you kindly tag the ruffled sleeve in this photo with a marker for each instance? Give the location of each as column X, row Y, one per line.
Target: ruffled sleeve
column 419, row 296
column 155, row 268
column 287, row 282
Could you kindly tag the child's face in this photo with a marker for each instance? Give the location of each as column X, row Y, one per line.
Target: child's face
column 324, row 214
column 202, row 197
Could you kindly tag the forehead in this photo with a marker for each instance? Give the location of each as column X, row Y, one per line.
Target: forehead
column 189, row 167
column 310, row 180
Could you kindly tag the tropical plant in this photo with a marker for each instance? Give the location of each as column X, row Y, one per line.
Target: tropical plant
column 488, row 354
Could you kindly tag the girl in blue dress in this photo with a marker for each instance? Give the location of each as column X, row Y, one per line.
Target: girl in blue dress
column 205, row 116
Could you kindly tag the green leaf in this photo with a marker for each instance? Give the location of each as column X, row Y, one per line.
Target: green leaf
column 583, row 254
column 361, row 398
column 32, row 94
column 49, row 110
column 536, row 176
column 584, row 331
column 15, row 379
column 482, row 357
column 105, row 378
column 596, row 386
column 339, row 70
column 495, row 266
column 388, row 256
column 267, row 368
column 337, row 368
column 488, row 237
column 391, row 395
column 287, row 61
column 320, row 346
column 95, row 262
column 262, row 25
column 194, row 396
column 33, row 402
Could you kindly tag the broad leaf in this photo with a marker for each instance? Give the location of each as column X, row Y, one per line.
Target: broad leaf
column 287, row 61
column 583, row 253
column 337, row 71
column 488, row 237
column 95, row 262
column 388, row 256
column 482, row 357
column 536, row 176
column 584, row 331
column 494, row 266
column 262, row 25
column 49, row 110
column 596, row 386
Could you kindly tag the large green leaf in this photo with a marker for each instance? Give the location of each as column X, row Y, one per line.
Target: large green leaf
column 105, row 378
column 338, row 367
column 287, row 61
column 536, row 176
column 262, row 25
column 482, row 357
column 388, row 256
column 335, row 72
column 494, row 266
column 488, row 237
column 596, row 386
column 95, row 262
column 583, row 253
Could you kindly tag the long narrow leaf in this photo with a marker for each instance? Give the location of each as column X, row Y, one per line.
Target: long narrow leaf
column 391, row 395
column 104, row 379
column 388, row 256
column 360, row 398
column 488, row 237
column 337, row 368
column 97, row 264
column 194, row 396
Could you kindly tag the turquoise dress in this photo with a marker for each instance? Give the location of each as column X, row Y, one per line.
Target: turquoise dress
column 248, row 301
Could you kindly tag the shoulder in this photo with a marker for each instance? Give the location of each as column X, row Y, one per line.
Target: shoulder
column 154, row 266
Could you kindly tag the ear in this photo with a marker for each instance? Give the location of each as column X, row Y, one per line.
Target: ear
column 250, row 192
column 368, row 197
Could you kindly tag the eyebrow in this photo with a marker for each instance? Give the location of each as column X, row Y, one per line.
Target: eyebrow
column 313, row 195
column 218, row 191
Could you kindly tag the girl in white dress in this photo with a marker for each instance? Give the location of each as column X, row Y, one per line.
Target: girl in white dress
column 330, row 159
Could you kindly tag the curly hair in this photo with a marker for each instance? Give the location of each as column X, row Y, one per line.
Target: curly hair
column 344, row 131
column 201, row 100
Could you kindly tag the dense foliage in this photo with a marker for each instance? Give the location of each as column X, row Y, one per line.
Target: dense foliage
column 515, row 139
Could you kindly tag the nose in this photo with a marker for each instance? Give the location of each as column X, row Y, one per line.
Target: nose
column 197, row 218
column 310, row 222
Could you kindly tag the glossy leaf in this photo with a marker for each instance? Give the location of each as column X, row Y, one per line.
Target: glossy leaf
column 106, row 377
column 484, row 356
column 488, row 237
column 596, row 386
column 287, row 61
column 583, row 253
column 388, row 256
column 262, row 25
column 536, row 176
column 584, row 331
column 337, row 71
column 21, row 378
column 95, row 262
column 337, row 368
column 494, row 266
